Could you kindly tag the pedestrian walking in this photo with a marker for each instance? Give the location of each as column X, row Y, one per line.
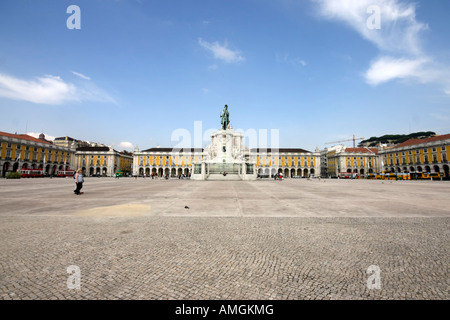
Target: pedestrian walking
column 79, row 179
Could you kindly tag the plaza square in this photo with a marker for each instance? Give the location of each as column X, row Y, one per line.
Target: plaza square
column 296, row 239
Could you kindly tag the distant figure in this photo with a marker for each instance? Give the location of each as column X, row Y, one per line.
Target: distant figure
column 79, row 179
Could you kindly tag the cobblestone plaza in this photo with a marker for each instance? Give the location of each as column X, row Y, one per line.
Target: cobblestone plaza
column 179, row 239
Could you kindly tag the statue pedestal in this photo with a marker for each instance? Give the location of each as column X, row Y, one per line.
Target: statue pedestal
column 225, row 159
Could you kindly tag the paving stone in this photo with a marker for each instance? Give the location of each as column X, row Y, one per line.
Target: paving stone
column 319, row 251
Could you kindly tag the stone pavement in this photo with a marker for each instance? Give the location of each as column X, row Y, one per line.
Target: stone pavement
column 285, row 240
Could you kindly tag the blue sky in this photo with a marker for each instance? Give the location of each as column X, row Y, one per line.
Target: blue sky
column 138, row 70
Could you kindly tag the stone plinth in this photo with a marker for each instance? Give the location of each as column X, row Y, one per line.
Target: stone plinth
column 226, row 154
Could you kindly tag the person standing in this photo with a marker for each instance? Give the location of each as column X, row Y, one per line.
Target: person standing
column 79, row 179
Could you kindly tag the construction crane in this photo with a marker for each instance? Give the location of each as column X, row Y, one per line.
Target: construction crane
column 354, row 141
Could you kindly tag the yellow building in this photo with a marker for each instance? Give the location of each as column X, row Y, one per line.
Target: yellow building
column 292, row 163
column 427, row 155
column 164, row 161
column 360, row 161
column 21, row 151
column 103, row 161
column 64, row 141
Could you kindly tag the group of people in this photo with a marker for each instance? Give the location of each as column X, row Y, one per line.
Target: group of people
column 166, row 176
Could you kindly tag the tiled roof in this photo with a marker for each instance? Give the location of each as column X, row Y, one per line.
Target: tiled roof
column 93, row 149
column 362, row 150
column 282, row 150
column 413, row 142
column 167, row 150
column 24, row 137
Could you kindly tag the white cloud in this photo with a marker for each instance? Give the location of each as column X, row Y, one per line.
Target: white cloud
column 51, row 90
column 297, row 62
column 399, row 33
column 44, row 90
column 82, row 76
column 386, row 69
column 301, row 62
column 399, row 39
column 221, row 52
column 126, row 145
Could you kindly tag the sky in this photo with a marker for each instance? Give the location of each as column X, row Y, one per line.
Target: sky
column 146, row 73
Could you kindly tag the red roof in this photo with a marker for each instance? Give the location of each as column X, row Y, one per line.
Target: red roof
column 362, row 150
column 23, row 137
column 412, row 142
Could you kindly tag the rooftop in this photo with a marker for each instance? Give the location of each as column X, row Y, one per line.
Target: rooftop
column 24, row 137
column 281, row 150
column 362, row 150
column 100, row 149
column 165, row 150
column 413, row 142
